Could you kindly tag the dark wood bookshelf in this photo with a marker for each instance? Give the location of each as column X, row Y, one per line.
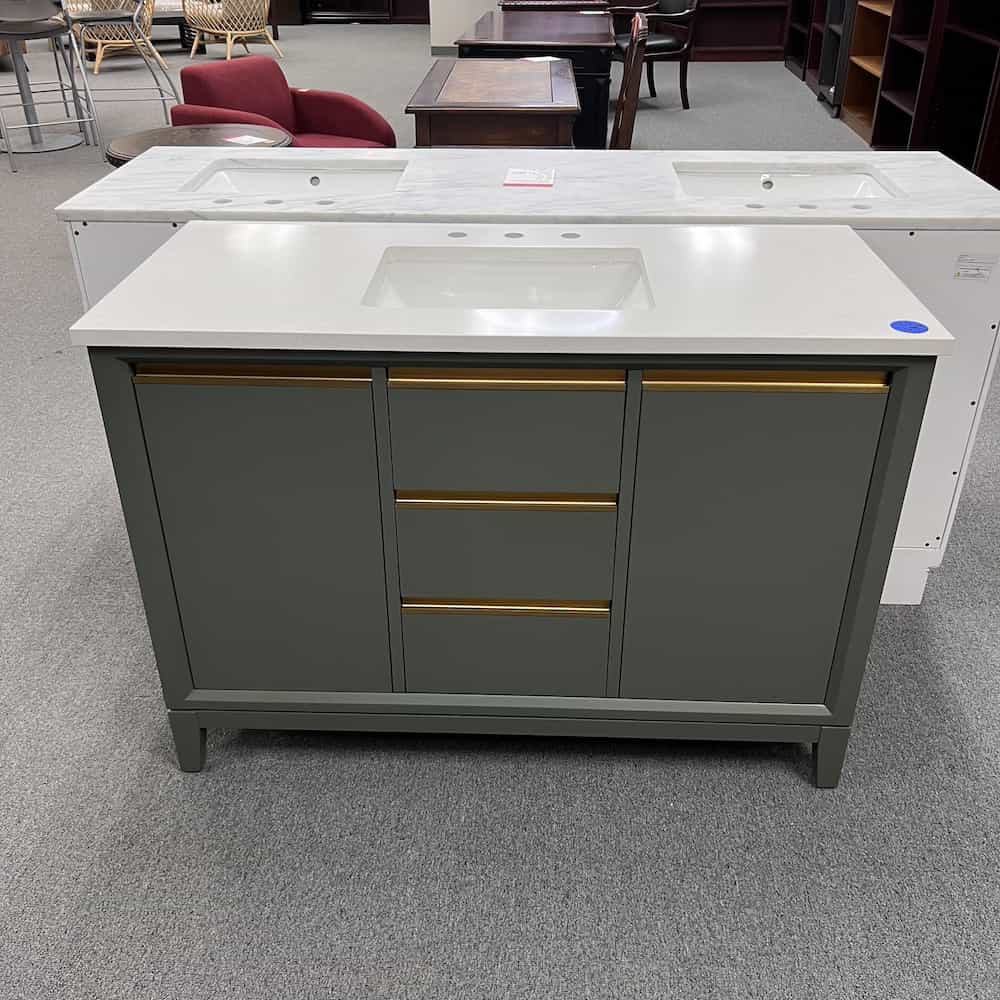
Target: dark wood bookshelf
column 962, row 117
column 797, row 38
column 866, row 64
column 913, row 74
column 813, row 46
column 804, row 39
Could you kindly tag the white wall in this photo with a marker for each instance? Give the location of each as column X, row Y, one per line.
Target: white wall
column 450, row 18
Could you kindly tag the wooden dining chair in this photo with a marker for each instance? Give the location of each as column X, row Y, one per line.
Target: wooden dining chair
column 671, row 33
column 628, row 96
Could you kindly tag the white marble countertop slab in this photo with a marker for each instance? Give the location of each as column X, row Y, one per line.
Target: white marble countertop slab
column 739, row 290
column 590, row 186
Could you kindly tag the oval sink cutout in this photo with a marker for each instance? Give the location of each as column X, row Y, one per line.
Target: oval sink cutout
column 510, row 277
column 514, row 236
column 570, row 236
column 808, row 206
column 780, row 181
column 274, row 201
column 863, row 208
column 274, row 177
column 754, row 204
column 458, row 236
column 222, row 201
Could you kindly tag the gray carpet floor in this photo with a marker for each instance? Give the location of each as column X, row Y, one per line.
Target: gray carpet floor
column 310, row 866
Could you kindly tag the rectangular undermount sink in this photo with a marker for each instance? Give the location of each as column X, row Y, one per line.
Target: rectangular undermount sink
column 785, row 182
column 296, row 179
column 478, row 277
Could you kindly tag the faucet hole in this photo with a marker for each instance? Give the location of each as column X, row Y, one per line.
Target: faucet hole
column 570, row 236
column 314, row 180
column 458, row 235
column 514, row 236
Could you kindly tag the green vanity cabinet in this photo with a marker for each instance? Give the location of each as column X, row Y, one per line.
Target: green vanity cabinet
column 268, row 494
column 659, row 547
column 750, row 490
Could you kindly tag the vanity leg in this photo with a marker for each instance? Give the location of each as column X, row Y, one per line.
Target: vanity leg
column 829, row 752
column 189, row 740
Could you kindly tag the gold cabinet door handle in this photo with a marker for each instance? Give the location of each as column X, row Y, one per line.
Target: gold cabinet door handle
column 456, row 606
column 505, row 501
column 681, row 380
column 301, row 376
column 507, row 378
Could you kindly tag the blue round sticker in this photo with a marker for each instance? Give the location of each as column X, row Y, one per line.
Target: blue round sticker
column 909, row 326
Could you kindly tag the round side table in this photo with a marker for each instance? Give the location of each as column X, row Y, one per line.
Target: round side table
column 128, row 147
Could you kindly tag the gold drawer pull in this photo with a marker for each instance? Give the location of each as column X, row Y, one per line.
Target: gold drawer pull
column 506, row 378
column 765, row 381
column 506, row 501
column 451, row 606
column 259, row 375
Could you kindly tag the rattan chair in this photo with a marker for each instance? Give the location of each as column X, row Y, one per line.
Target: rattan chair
column 229, row 21
column 107, row 39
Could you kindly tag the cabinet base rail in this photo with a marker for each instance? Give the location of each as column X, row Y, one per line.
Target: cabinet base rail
column 190, row 729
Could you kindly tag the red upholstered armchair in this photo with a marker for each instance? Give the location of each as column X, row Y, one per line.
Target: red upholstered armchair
column 254, row 91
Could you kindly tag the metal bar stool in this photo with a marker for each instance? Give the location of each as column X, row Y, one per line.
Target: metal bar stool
column 21, row 21
column 125, row 16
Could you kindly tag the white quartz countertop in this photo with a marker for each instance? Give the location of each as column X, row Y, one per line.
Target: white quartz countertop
column 924, row 189
column 768, row 290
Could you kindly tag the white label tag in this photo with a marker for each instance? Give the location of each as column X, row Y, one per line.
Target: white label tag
column 975, row 266
column 246, row 140
column 525, row 177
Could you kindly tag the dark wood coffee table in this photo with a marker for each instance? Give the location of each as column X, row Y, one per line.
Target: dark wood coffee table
column 587, row 40
column 128, row 147
column 494, row 102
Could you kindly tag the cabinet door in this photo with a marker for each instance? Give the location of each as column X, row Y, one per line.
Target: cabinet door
column 749, row 496
column 269, row 499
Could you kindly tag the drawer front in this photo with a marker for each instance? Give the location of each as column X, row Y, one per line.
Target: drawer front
column 534, row 553
column 543, row 129
column 518, row 654
column 535, row 432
